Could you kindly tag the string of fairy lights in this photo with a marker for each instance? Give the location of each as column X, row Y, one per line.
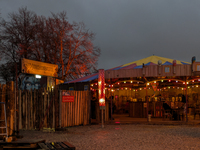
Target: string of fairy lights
column 151, row 85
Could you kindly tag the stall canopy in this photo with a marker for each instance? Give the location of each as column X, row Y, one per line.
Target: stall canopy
column 151, row 60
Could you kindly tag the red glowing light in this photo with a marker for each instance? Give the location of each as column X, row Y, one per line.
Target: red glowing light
column 101, row 87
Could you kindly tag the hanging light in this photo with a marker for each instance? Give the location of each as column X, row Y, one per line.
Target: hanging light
column 147, row 83
column 183, row 82
column 187, row 82
column 161, row 80
column 169, row 80
column 124, row 81
column 197, row 86
column 154, row 81
column 131, row 81
column 176, row 81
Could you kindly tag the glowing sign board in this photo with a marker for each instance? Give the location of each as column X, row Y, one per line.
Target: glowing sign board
column 101, row 89
column 37, row 67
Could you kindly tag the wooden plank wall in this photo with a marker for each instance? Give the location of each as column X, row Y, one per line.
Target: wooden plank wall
column 7, row 94
column 150, row 71
column 77, row 112
column 2, row 113
column 36, row 107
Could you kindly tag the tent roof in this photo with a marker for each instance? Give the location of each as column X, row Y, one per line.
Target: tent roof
column 151, row 60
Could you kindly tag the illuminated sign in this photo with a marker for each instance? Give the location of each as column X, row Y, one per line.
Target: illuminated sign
column 101, row 89
column 40, row 68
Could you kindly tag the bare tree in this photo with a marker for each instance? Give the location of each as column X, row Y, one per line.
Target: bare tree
column 7, row 71
column 76, row 53
column 52, row 40
column 18, row 35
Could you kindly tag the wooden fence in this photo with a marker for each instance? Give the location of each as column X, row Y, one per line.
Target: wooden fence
column 7, row 96
column 77, row 112
column 37, row 109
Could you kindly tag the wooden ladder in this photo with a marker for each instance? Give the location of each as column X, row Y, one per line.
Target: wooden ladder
column 5, row 133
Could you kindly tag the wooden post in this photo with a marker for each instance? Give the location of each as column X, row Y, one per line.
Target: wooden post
column 147, row 103
column 186, row 100
column 10, row 107
column 20, row 110
column 60, row 108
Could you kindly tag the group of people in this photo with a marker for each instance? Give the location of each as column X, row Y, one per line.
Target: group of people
column 175, row 115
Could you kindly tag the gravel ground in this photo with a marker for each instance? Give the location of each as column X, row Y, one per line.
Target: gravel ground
column 124, row 137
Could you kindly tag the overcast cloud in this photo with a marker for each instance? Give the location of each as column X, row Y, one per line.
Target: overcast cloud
column 129, row 30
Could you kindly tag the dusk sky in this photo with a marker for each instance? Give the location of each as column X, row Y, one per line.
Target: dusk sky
column 129, row 30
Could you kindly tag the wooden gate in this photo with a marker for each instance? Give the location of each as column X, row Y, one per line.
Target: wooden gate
column 37, row 109
column 77, row 112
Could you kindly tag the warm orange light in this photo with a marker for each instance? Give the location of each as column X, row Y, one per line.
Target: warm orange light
column 101, row 87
